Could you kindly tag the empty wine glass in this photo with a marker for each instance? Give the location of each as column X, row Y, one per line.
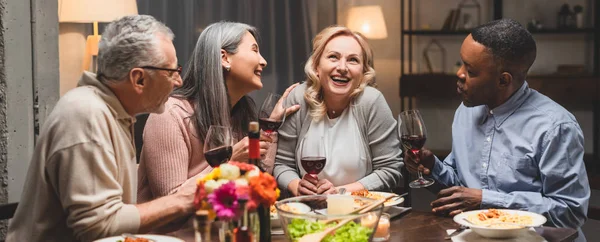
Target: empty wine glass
column 218, row 145
column 312, row 155
column 268, row 122
column 413, row 135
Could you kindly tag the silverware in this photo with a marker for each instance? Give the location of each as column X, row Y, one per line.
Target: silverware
column 456, row 232
column 342, row 191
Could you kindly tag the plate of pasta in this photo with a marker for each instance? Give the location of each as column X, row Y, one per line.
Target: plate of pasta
column 377, row 196
column 499, row 223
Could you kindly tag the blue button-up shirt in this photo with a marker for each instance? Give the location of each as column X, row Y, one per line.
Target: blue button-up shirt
column 526, row 154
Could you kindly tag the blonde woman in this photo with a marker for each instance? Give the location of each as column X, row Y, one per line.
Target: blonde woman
column 338, row 104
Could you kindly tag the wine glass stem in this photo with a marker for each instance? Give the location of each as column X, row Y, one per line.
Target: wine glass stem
column 418, row 159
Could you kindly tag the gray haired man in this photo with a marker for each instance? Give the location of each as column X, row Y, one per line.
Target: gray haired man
column 81, row 183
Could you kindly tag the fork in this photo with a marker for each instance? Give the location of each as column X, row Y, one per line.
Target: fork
column 456, row 232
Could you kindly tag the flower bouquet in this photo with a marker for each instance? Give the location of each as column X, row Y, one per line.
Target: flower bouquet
column 234, row 188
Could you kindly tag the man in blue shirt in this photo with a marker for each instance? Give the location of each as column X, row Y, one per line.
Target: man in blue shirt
column 512, row 147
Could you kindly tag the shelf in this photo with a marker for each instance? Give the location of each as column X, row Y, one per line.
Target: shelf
column 467, row 32
column 564, row 31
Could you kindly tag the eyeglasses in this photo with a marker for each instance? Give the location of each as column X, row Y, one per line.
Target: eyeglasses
column 178, row 70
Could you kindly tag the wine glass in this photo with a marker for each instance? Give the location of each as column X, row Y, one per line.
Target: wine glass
column 267, row 122
column 413, row 135
column 218, row 145
column 312, row 155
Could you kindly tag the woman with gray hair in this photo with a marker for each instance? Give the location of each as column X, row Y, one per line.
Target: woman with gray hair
column 225, row 66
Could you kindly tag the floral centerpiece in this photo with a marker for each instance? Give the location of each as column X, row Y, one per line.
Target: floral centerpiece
column 221, row 191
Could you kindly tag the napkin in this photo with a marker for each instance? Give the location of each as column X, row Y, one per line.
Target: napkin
column 470, row 236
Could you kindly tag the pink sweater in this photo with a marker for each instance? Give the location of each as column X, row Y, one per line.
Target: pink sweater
column 172, row 152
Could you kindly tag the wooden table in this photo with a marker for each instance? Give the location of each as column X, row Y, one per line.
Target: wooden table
column 425, row 226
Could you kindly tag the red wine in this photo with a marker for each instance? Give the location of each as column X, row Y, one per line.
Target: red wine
column 218, row 156
column 313, row 165
column 269, row 125
column 413, row 142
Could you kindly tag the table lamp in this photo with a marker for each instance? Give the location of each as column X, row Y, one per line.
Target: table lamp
column 93, row 11
column 367, row 20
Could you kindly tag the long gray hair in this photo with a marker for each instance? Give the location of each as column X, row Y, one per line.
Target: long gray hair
column 204, row 81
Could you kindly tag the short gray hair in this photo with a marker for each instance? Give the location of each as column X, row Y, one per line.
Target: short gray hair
column 130, row 42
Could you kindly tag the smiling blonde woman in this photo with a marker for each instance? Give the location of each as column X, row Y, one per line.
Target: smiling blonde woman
column 338, row 104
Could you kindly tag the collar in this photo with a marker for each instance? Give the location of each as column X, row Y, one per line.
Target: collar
column 502, row 112
column 88, row 79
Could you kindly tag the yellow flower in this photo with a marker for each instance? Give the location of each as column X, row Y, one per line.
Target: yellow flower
column 213, row 175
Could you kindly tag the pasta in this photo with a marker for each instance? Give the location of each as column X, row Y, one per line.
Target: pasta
column 495, row 218
column 367, row 194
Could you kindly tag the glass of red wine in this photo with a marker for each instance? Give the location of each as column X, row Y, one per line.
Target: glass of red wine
column 312, row 155
column 413, row 135
column 270, row 123
column 218, row 145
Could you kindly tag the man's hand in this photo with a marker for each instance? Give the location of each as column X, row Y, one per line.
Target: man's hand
column 307, row 186
column 324, row 186
column 424, row 162
column 455, row 200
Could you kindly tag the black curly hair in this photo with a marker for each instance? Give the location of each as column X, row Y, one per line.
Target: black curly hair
column 511, row 45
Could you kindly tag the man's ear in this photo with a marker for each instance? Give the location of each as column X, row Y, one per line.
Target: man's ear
column 506, row 79
column 137, row 78
column 225, row 60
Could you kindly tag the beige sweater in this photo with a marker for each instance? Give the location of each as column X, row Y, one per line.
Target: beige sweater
column 81, row 183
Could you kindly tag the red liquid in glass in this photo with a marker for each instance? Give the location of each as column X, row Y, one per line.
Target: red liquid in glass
column 218, row 156
column 413, row 142
column 313, row 165
column 269, row 125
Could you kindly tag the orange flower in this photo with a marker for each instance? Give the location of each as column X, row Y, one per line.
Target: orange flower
column 264, row 188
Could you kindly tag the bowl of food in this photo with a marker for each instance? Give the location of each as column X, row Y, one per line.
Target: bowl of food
column 499, row 223
column 306, row 216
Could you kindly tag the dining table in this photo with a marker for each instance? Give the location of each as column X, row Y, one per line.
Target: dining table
column 425, row 226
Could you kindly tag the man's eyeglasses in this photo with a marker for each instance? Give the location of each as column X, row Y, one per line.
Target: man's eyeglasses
column 178, row 70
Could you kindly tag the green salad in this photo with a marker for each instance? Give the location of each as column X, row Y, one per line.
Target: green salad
column 350, row 232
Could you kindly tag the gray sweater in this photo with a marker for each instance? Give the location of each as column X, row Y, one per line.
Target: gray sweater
column 377, row 127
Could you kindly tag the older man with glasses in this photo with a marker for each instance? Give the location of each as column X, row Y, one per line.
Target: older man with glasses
column 82, row 179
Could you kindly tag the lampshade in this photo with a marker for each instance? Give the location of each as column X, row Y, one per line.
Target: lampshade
column 368, row 20
column 88, row 11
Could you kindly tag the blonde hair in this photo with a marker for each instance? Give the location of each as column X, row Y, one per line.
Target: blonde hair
column 314, row 93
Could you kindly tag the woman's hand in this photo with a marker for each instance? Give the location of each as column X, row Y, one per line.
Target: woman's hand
column 240, row 149
column 279, row 111
column 307, row 186
column 324, row 186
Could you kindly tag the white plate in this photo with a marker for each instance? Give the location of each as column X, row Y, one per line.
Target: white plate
column 499, row 233
column 391, row 202
column 157, row 238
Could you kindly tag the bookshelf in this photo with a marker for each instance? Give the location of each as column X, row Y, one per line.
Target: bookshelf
column 575, row 92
